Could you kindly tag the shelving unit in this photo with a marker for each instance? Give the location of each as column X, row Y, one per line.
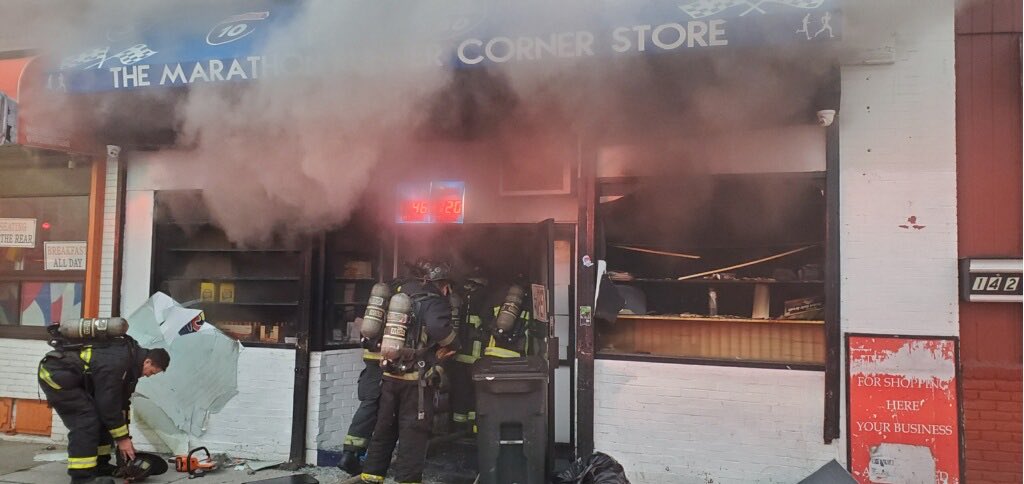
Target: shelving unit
column 764, row 234
column 352, row 265
column 255, row 294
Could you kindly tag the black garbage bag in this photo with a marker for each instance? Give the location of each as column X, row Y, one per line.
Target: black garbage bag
column 598, row 468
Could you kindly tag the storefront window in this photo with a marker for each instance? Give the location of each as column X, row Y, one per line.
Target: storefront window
column 42, row 252
column 718, row 268
column 252, row 293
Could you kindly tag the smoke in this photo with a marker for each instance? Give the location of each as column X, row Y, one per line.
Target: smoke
column 298, row 151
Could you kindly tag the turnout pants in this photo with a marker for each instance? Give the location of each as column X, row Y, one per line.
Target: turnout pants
column 462, row 394
column 397, row 423
column 365, row 418
column 89, row 443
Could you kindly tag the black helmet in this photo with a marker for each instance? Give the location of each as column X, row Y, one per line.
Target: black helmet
column 142, row 466
column 430, row 270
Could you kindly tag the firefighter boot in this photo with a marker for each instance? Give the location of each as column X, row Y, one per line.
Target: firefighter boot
column 350, row 463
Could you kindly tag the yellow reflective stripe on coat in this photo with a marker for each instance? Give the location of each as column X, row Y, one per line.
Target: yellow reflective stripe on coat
column 411, row 376
column 475, row 321
column 500, row 352
column 467, row 359
column 119, row 432
column 354, row 441
column 81, row 462
column 44, row 375
column 86, row 356
column 472, row 415
column 460, row 417
column 370, row 355
column 371, row 478
column 104, row 449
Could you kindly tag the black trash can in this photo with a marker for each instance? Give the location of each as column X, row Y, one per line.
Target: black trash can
column 511, row 418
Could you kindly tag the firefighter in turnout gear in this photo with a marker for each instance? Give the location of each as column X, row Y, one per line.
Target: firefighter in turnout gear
column 473, row 337
column 417, row 339
column 89, row 384
column 368, row 386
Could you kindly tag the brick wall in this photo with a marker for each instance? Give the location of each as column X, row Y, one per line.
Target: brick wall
column 897, row 161
column 255, row 424
column 110, row 195
column 333, row 377
column 699, row 424
column 18, row 366
column 992, row 414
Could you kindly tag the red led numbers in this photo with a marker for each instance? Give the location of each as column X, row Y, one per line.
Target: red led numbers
column 414, row 211
column 435, row 202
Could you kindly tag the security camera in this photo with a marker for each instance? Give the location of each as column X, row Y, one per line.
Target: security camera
column 113, row 151
column 826, row 116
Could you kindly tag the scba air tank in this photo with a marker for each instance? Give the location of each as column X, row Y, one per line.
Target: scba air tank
column 373, row 318
column 94, row 328
column 456, row 301
column 399, row 312
column 510, row 309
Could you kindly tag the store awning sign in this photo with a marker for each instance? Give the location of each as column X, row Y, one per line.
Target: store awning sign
column 64, row 256
column 903, row 409
column 18, row 232
column 220, row 44
column 226, row 42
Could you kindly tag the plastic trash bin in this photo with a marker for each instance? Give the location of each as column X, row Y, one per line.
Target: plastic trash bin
column 511, row 418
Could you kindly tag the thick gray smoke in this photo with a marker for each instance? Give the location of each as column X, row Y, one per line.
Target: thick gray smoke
column 298, row 151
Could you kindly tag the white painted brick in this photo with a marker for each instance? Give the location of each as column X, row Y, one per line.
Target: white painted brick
column 693, row 423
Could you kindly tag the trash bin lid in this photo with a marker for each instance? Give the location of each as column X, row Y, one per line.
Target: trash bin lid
column 522, row 368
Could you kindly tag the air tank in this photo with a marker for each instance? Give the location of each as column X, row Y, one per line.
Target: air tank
column 510, row 309
column 94, row 328
column 399, row 310
column 456, row 301
column 373, row 318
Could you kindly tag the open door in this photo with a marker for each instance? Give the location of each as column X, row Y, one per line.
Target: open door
column 542, row 279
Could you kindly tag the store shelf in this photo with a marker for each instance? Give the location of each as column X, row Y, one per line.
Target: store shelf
column 257, row 344
column 231, row 278
column 229, row 250
column 670, row 317
column 253, row 304
column 715, row 281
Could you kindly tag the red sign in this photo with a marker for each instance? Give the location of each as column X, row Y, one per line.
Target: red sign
column 431, row 202
column 903, row 410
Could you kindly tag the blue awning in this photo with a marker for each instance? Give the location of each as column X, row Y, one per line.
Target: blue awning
column 225, row 41
column 220, row 43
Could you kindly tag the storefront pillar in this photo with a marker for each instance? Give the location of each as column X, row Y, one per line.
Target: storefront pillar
column 94, row 241
column 586, row 271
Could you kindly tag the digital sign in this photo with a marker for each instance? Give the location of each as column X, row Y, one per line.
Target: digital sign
column 431, row 202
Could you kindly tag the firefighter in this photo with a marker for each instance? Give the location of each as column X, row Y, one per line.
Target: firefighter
column 368, row 386
column 417, row 339
column 90, row 385
column 511, row 325
column 361, row 428
column 473, row 336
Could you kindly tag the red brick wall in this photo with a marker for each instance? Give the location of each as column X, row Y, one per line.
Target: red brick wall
column 992, row 411
column 989, row 205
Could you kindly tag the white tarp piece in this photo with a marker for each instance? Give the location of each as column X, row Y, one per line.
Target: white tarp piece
column 202, row 377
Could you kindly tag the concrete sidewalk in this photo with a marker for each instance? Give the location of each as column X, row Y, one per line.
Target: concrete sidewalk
column 17, row 466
